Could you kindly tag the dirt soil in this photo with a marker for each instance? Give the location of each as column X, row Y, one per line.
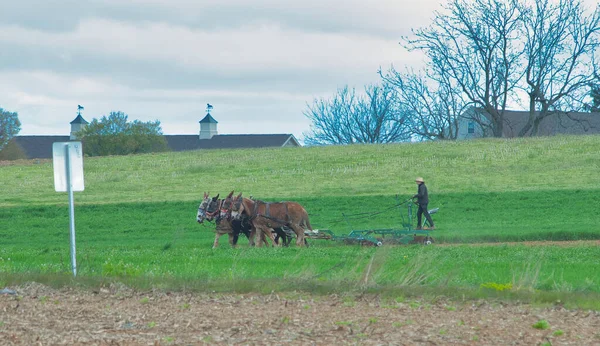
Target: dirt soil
column 38, row 315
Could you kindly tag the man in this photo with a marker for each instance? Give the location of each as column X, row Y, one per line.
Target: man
column 422, row 200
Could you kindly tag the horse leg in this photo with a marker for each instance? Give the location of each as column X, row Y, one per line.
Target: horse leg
column 263, row 233
column 271, row 233
column 233, row 238
column 299, row 234
column 277, row 237
column 282, row 234
column 263, row 238
column 252, row 237
column 216, row 243
column 260, row 236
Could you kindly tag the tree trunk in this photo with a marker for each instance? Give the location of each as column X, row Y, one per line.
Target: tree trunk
column 497, row 119
column 529, row 124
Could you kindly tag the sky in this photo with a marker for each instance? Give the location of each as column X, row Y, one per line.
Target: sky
column 257, row 62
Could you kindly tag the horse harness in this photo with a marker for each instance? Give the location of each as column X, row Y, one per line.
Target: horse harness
column 267, row 214
column 217, row 209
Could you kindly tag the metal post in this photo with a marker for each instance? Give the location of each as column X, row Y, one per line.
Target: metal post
column 71, row 208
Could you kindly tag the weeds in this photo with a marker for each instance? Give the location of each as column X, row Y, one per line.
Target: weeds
column 343, row 323
column 541, row 324
column 497, row 287
column 528, row 278
column 402, row 324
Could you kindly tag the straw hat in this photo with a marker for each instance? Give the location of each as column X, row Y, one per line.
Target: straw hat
column 419, row 180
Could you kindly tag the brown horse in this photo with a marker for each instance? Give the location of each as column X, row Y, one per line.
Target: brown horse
column 267, row 216
column 225, row 210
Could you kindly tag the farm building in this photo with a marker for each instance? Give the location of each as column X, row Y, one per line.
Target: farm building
column 475, row 123
column 40, row 147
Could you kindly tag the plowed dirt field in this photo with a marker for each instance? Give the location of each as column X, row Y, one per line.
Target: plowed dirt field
column 39, row 315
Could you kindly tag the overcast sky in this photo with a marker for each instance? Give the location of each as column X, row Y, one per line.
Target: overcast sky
column 257, row 62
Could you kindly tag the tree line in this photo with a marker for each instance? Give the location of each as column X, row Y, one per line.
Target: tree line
column 538, row 55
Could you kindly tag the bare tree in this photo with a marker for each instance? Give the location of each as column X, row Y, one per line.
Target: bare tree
column 432, row 103
column 349, row 118
column 476, row 44
column 560, row 49
column 594, row 96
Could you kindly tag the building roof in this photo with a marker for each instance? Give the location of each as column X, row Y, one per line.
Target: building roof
column 573, row 123
column 38, row 147
column 79, row 120
column 192, row 142
column 208, row 119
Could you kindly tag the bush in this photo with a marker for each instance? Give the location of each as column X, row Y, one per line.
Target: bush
column 114, row 135
column 12, row 151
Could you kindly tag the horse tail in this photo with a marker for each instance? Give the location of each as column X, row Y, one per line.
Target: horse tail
column 306, row 222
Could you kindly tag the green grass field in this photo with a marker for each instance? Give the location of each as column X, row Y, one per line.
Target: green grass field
column 135, row 220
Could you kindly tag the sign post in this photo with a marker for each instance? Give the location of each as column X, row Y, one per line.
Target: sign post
column 68, row 177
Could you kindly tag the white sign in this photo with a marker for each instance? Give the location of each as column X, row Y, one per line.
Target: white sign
column 60, row 161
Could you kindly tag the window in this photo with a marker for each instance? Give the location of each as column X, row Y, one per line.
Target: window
column 471, row 127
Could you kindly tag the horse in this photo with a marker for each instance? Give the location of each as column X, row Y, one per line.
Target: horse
column 267, row 216
column 210, row 209
column 225, row 213
column 206, row 200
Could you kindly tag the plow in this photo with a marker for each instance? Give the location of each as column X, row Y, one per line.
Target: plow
column 407, row 234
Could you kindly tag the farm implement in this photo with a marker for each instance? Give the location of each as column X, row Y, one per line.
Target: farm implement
column 377, row 237
column 287, row 220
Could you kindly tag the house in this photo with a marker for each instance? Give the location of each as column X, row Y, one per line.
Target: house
column 475, row 123
column 40, row 147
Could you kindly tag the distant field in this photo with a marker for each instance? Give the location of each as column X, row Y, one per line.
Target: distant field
column 136, row 218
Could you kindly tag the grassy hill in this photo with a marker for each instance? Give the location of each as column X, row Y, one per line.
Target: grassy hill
column 137, row 213
column 484, row 166
column 538, row 188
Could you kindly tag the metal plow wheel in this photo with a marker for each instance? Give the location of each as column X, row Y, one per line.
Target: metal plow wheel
column 428, row 241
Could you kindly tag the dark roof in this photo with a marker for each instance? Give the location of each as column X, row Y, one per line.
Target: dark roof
column 38, row 147
column 79, row 120
column 573, row 123
column 192, row 142
column 208, row 119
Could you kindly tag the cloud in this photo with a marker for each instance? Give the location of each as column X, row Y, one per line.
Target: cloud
column 258, row 62
column 99, row 45
column 377, row 17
